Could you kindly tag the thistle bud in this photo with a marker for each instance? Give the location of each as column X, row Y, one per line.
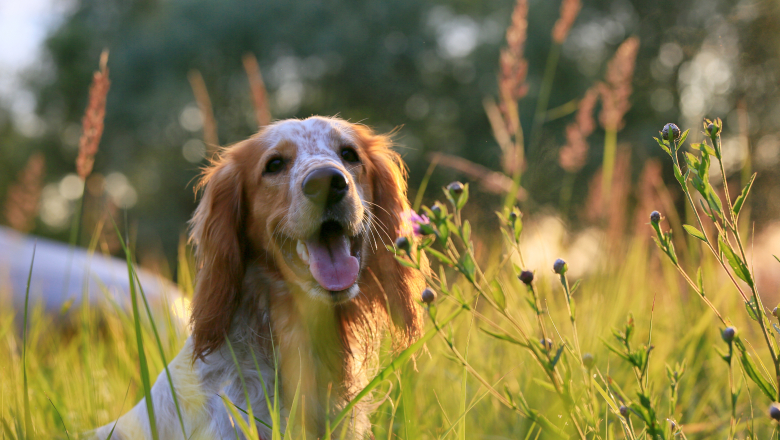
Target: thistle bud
column 527, row 277
column 402, row 243
column 560, row 267
column 713, row 130
column 774, row 411
column 623, row 410
column 776, row 312
column 512, row 217
column 547, row 344
column 436, row 210
column 428, row 295
column 655, row 217
column 728, row 334
column 588, row 360
column 455, row 188
column 670, row 129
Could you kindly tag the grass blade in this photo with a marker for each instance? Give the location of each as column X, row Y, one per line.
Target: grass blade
column 28, row 429
column 294, row 407
column 395, row 365
column 252, row 427
column 145, row 380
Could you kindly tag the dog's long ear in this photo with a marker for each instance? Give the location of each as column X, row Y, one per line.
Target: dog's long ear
column 401, row 284
column 216, row 229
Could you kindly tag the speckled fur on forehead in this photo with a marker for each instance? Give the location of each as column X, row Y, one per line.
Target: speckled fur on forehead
column 311, row 134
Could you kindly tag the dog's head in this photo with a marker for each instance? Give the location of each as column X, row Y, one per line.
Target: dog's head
column 316, row 200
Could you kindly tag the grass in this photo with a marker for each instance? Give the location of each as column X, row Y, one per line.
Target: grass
column 641, row 348
column 478, row 377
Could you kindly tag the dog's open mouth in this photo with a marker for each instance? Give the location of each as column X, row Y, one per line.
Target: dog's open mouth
column 332, row 256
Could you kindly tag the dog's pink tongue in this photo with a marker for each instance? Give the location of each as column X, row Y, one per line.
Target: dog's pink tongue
column 331, row 263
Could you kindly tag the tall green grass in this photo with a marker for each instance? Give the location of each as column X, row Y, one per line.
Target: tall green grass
column 459, row 380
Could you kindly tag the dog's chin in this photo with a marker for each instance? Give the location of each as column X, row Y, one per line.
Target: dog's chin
column 318, row 293
column 327, row 265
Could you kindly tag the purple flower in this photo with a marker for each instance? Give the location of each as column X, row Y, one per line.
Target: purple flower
column 412, row 222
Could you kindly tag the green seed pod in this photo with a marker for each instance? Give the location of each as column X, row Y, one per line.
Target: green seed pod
column 774, row 411
column 588, row 360
column 670, row 129
column 728, row 334
column 527, row 277
column 560, row 267
column 455, row 189
column 428, row 295
column 403, row 244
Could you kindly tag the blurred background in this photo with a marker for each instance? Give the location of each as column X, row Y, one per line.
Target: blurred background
column 423, row 68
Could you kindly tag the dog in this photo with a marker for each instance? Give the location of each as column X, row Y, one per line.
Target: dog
column 290, row 237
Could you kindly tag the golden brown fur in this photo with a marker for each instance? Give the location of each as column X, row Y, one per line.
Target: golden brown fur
column 244, row 228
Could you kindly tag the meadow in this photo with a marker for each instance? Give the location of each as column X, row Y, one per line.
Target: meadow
column 663, row 336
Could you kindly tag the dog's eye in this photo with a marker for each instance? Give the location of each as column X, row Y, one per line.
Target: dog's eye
column 350, row 155
column 274, row 165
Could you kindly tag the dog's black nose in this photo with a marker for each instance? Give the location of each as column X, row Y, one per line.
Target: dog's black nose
column 325, row 186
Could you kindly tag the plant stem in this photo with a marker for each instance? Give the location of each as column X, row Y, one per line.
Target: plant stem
column 544, row 95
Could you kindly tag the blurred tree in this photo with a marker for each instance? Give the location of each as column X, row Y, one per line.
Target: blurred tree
column 425, row 66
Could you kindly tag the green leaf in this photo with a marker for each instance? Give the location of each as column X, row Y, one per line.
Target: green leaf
column 678, row 175
column 405, row 262
column 683, row 137
column 607, row 398
column 736, row 263
column 751, row 307
column 546, row 385
column 503, row 337
column 574, row 288
column 695, row 232
column 700, row 282
column 663, row 145
column 464, row 196
column 467, row 266
column 498, row 294
column 755, row 375
column 441, row 257
column 466, row 232
column 741, row 199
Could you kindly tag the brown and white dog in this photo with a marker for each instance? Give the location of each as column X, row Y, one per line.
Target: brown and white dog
column 290, row 238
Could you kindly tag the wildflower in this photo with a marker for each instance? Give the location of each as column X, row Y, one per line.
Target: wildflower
column 712, row 129
column 588, row 360
column 92, row 122
column 774, row 411
column 670, row 128
column 560, row 267
column 655, row 217
column 403, row 244
column 569, row 11
column 527, row 277
column 728, row 334
column 428, row 295
column 455, row 189
column 417, row 224
column 546, row 343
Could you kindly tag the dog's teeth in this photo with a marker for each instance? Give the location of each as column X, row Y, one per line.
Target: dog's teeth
column 303, row 252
